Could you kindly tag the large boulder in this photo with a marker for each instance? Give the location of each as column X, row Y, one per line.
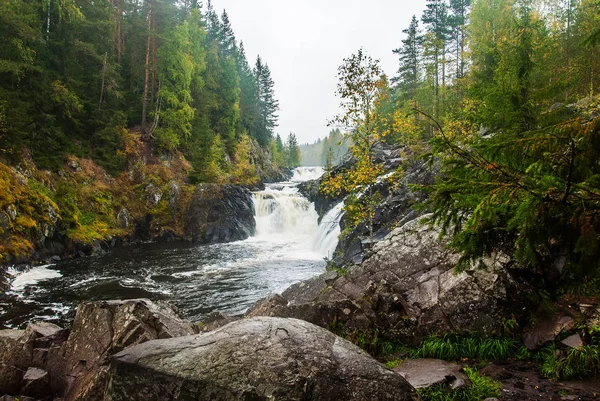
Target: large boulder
column 24, row 349
column 253, row 359
column 407, row 289
column 220, row 213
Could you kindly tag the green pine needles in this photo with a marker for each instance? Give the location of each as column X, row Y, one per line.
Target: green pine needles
column 534, row 195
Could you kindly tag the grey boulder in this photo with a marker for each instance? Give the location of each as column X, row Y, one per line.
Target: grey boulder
column 253, row 359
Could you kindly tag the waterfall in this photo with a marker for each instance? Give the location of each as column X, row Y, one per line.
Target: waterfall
column 302, row 174
column 282, row 213
column 326, row 239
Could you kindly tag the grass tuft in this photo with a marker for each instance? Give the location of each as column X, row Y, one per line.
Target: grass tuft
column 482, row 387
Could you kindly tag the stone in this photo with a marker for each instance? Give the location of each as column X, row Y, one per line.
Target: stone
column 36, row 383
column 546, row 330
column 220, row 213
column 154, row 194
column 11, row 210
column 124, row 218
column 22, row 349
column 254, row 359
column 214, row 321
column 423, row 373
column 13, row 360
column 16, row 398
column 573, row 341
column 407, row 289
column 100, row 330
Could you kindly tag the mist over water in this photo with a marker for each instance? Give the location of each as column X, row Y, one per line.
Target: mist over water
column 289, row 246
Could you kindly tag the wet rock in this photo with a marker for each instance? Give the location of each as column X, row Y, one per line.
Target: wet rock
column 214, row 321
column 174, row 194
column 254, row 359
column 323, row 203
column 154, row 194
column 36, row 383
column 16, row 398
column 124, row 218
column 422, row 373
column 220, row 213
column 11, row 210
column 395, row 210
column 22, row 349
column 101, row 329
column 13, row 361
column 546, row 330
column 407, row 289
column 573, row 341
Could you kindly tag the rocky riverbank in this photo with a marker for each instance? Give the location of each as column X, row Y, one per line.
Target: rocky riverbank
column 139, row 350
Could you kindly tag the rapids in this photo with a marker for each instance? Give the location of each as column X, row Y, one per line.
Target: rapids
column 289, row 246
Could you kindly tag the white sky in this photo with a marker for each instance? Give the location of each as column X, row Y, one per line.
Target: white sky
column 304, row 42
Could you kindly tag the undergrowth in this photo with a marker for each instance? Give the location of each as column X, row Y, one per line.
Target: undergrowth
column 455, row 348
column 482, row 387
column 572, row 363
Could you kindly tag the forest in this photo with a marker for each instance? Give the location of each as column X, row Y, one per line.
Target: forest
column 79, row 77
column 502, row 96
column 328, row 152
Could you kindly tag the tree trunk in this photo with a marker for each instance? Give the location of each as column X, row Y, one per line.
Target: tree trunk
column 119, row 39
column 103, row 80
column 146, row 75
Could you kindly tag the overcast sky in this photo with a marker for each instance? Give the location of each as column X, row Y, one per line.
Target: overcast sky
column 304, row 42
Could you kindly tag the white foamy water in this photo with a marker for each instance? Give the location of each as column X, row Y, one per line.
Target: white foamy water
column 326, row 239
column 284, row 212
column 31, row 277
column 302, row 174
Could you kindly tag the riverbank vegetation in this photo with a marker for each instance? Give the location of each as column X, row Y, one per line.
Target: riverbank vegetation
column 503, row 95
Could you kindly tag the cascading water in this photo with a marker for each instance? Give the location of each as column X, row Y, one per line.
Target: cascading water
column 288, row 247
column 307, row 173
column 326, row 239
column 284, row 211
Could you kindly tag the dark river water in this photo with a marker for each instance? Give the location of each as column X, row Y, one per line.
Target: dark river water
column 289, row 247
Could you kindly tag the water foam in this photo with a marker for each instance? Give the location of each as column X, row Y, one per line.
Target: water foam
column 32, row 276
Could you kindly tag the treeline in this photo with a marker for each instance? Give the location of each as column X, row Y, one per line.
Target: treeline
column 326, row 152
column 504, row 95
column 77, row 76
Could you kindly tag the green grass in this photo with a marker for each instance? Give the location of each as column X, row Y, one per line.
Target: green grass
column 456, row 348
column 572, row 363
column 481, row 387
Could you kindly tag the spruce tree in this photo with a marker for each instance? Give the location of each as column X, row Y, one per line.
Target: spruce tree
column 409, row 58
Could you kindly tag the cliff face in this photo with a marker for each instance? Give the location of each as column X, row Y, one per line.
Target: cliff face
column 82, row 210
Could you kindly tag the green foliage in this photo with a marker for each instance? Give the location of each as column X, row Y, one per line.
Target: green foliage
column 370, row 341
column 292, row 151
column 456, row 348
column 572, row 363
column 481, row 387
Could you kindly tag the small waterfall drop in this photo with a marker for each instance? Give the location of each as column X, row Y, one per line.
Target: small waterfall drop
column 302, row 174
column 283, row 214
column 283, row 211
column 326, row 239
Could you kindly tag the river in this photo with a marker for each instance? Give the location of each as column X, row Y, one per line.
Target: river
column 289, row 246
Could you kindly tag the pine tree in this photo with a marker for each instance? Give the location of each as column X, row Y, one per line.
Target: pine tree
column 457, row 21
column 226, row 36
column 409, row 58
column 292, row 151
column 268, row 105
column 435, row 18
